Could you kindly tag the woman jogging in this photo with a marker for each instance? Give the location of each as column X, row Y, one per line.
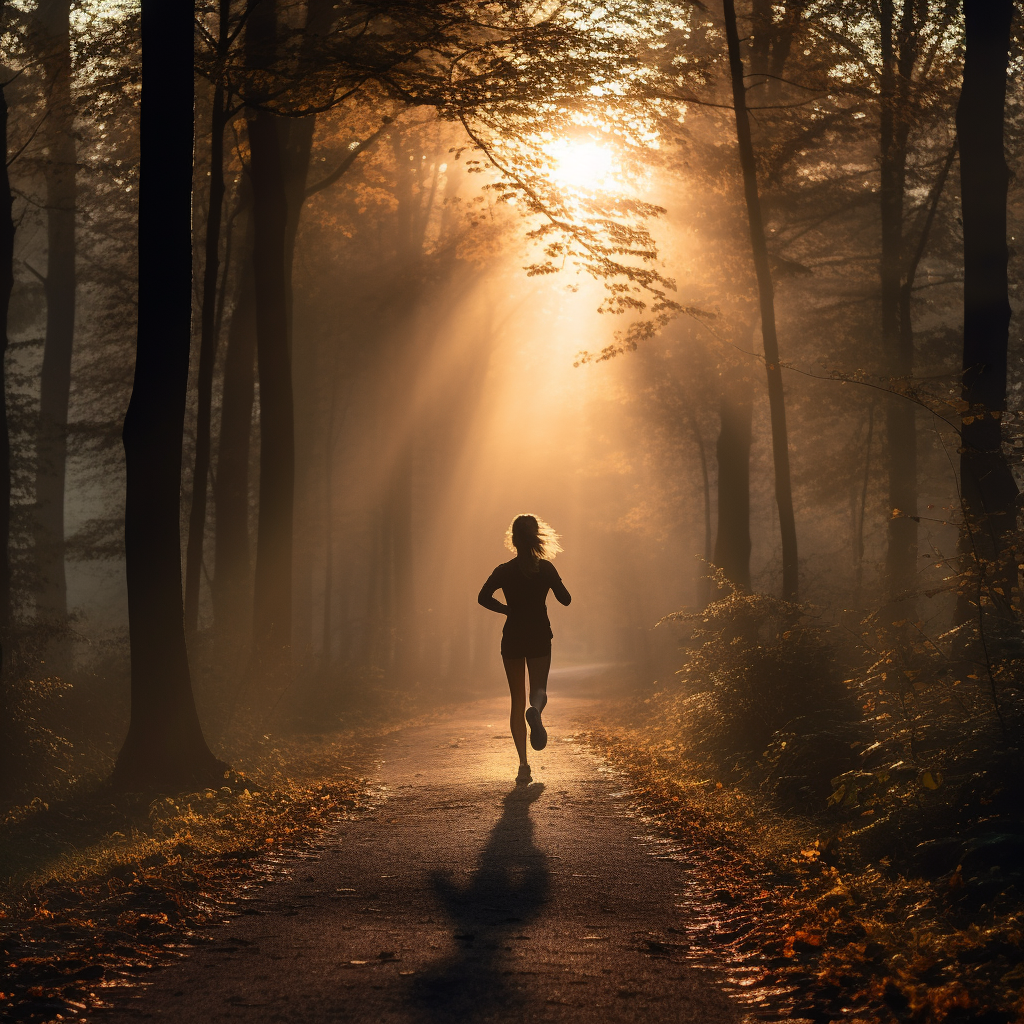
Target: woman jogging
column 526, row 638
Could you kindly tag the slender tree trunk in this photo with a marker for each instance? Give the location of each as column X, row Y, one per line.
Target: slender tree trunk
column 327, row 628
column 6, row 287
column 411, row 217
column 988, row 488
column 858, row 540
column 207, row 342
column 272, row 599
column 8, row 737
column 703, row 587
column 165, row 744
column 732, row 544
column 59, row 287
column 400, row 519
column 232, row 551
column 328, row 478
column 897, row 332
column 298, row 145
column 759, row 246
column 297, row 141
column 280, row 149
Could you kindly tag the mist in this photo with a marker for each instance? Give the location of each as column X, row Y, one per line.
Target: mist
column 458, row 457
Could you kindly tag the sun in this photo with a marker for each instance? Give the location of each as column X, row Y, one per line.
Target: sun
column 584, row 166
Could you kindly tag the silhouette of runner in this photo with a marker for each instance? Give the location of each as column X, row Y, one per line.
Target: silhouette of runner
column 526, row 638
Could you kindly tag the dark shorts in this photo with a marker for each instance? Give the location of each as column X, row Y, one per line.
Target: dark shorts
column 525, row 647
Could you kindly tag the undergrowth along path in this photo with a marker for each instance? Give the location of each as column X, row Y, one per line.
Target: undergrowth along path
column 461, row 896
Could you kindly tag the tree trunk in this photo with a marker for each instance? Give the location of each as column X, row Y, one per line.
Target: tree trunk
column 327, row 627
column 327, row 620
column 59, row 287
column 400, row 521
column 207, row 341
column 7, row 732
column 165, row 744
column 272, row 598
column 732, row 544
column 232, row 552
column 897, row 336
column 988, row 488
column 859, row 513
column 6, row 287
column 280, row 149
column 759, row 247
column 703, row 582
column 297, row 140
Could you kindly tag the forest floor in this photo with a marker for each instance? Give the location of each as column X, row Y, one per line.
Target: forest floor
column 405, row 877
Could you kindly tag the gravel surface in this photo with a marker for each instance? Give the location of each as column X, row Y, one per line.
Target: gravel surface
column 460, row 896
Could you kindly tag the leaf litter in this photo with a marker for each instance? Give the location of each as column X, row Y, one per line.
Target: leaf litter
column 797, row 931
column 117, row 885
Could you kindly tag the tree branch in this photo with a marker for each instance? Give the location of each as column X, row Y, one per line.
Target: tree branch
column 349, row 160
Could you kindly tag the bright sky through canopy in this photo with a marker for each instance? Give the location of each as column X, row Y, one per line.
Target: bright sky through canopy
column 582, row 165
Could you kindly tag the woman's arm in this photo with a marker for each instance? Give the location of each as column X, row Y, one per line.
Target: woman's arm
column 558, row 587
column 486, row 596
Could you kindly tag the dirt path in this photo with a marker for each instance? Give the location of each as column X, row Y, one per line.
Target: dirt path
column 460, row 897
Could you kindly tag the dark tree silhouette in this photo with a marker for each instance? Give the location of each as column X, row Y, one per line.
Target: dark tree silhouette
column 759, row 247
column 165, row 744
column 231, row 545
column 272, row 594
column 988, row 487
column 899, row 45
column 732, row 541
column 207, row 332
column 272, row 605
column 6, row 286
column 59, row 286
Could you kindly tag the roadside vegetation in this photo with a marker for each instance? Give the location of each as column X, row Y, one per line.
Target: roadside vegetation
column 850, row 791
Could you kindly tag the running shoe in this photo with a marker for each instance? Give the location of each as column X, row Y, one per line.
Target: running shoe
column 524, row 773
column 538, row 734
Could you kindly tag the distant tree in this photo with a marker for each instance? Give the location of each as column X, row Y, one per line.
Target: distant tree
column 901, row 87
column 232, row 549
column 819, row 107
column 459, row 62
column 732, row 539
column 59, row 286
column 7, row 738
column 165, row 743
column 268, row 139
column 6, row 287
column 220, row 115
column 766, row 293
column 988, row 488
column 898, row 54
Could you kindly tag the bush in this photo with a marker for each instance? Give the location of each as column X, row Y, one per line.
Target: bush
column 64, row 712
column 763, row 694
column 892, row 740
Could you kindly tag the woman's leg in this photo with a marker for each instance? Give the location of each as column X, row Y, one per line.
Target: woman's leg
column 515, row 670
column 539, row 668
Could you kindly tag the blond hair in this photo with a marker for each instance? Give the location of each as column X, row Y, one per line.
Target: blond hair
column 534, row 535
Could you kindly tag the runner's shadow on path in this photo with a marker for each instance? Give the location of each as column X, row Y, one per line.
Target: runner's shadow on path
column 509, row 888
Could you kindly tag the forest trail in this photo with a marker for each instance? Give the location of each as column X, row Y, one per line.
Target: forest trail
column 459, row 896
